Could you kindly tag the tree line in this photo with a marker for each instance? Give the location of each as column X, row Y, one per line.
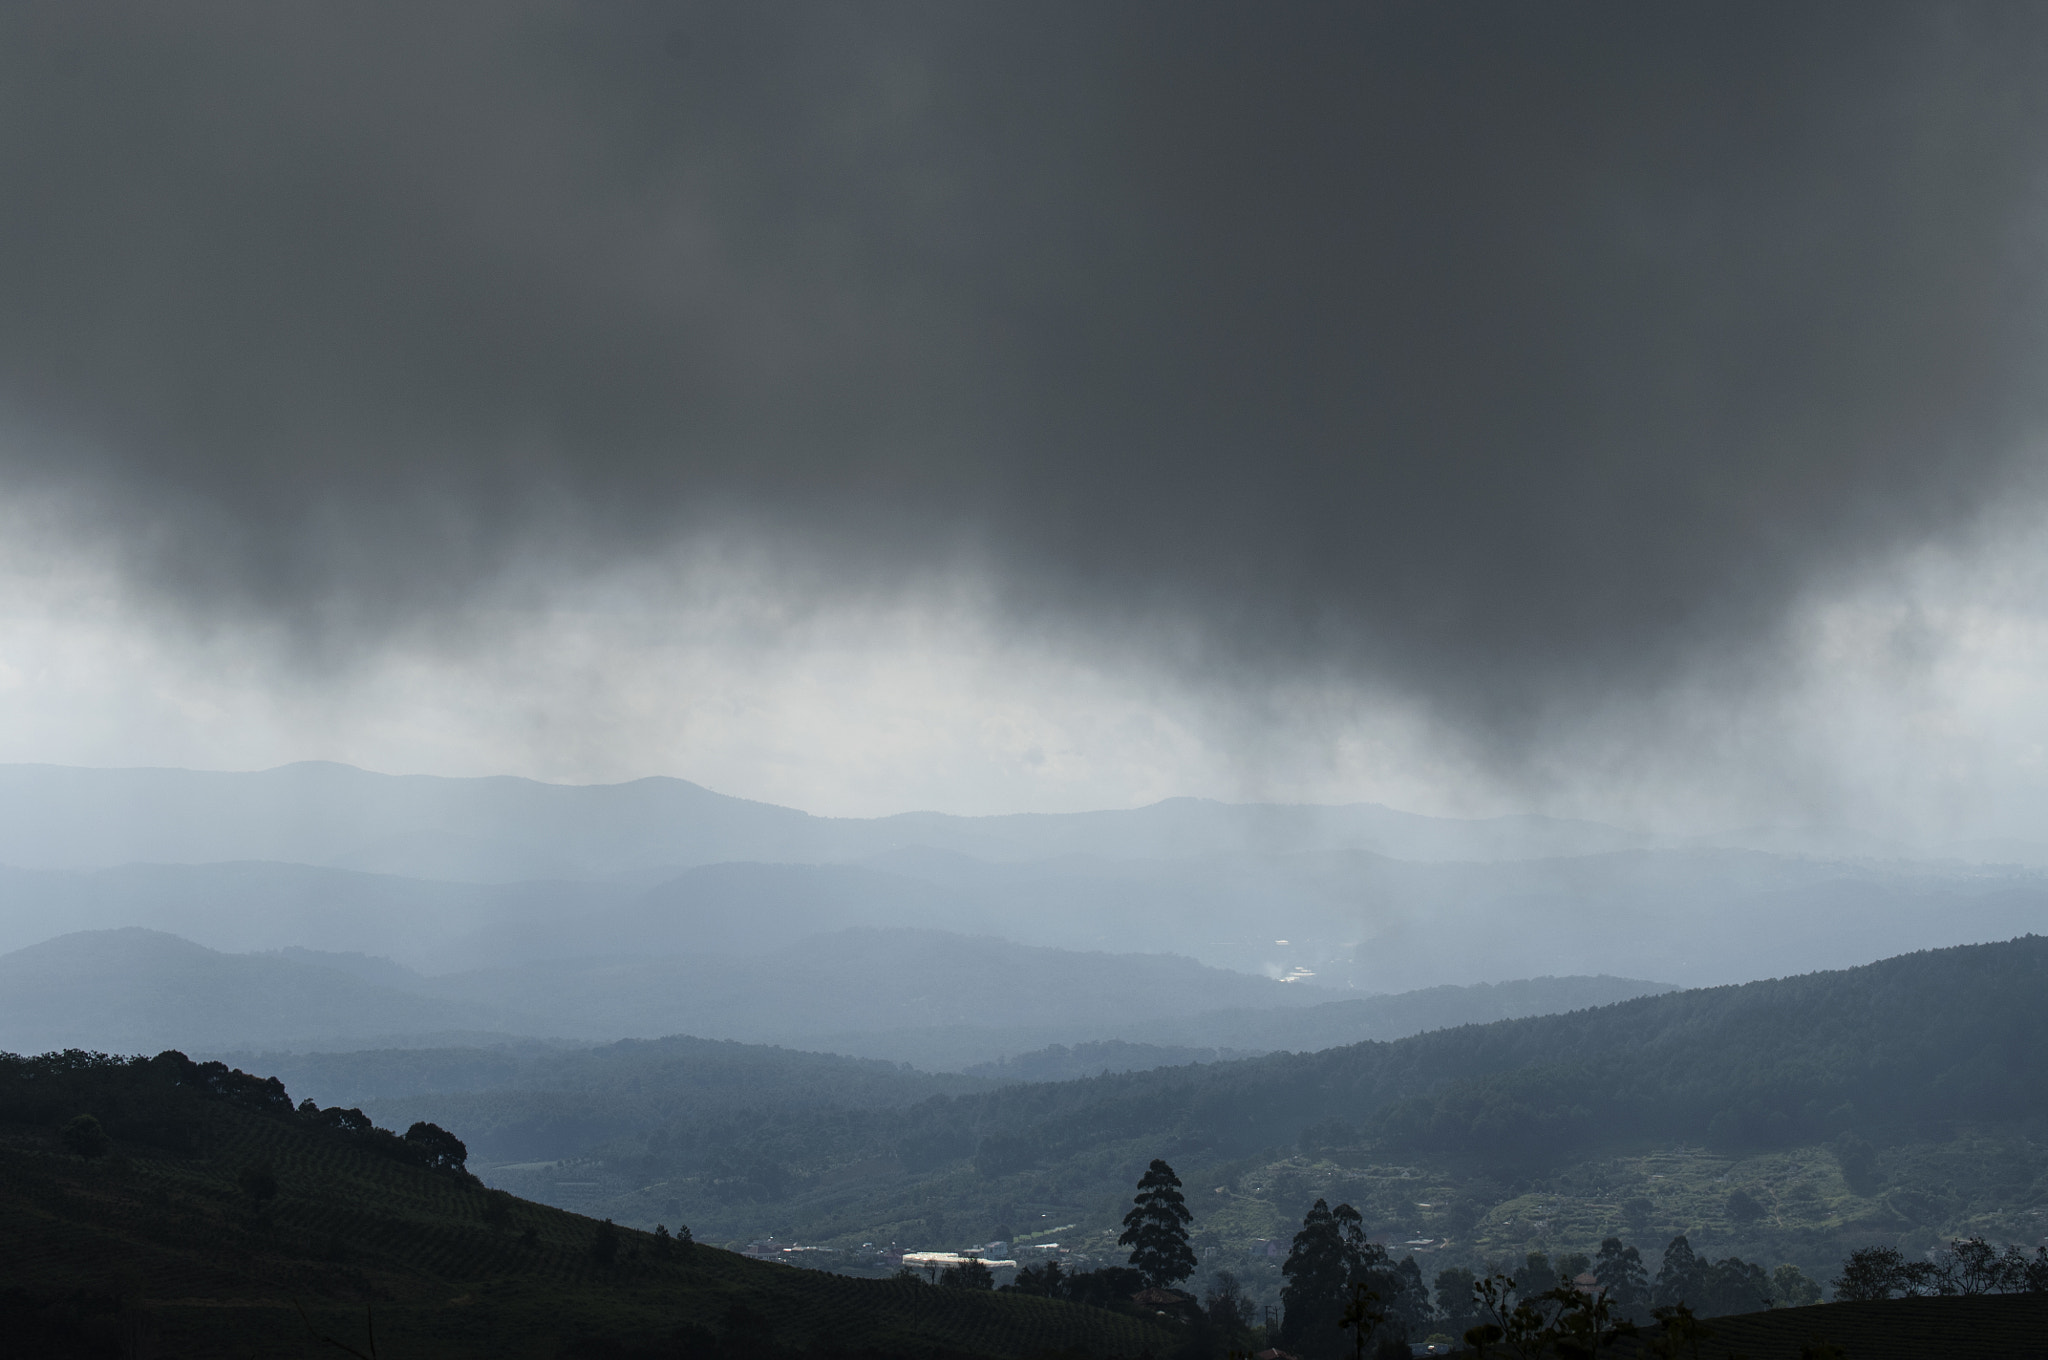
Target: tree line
column 1345, row 1294
column 1967, row 1265
column 99, row 1098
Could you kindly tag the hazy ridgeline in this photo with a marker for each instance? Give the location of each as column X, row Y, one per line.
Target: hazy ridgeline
column 466, row 875
column 317, row 906
column 931, row 998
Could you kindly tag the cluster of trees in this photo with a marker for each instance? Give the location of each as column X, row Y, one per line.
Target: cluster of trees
column 606, row 1240
column 969, row 1274
column 98, row 1098
column 423, row 1144
column 1966, row 1266
column 1706, row 1288
column 1109, row 1287
column 155, row 1101
column 1339, row 1280
column 1156, row 1231
column 1332, row 1268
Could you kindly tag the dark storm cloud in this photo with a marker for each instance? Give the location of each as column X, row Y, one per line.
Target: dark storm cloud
column 1497, row 350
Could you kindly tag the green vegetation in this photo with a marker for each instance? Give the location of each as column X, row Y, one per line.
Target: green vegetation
column 1785, row 1123
column 1973, row 1266
column 217, row 1219
column 1338, row 1279
column 1156, row 1228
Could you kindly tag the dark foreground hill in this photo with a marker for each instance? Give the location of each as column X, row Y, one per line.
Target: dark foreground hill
column 1980, row 1327
column 204, row 1216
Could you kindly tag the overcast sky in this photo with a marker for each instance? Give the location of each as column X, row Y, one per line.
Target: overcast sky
column 1617, row 410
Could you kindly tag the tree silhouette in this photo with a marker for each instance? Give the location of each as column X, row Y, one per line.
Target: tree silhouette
column 604, row 1243
column 1791, row 1289
column 1966, row 1266
column 969, row 1274
column 1332, row 1260
column 1047, row 1280
column 1156, row 1228
column 1681, row 1276
column 437, row 1147
column 1317, row 1273
column 1561, row 1322
column 1226, row 1304
column 1619, row 1269
column 1454, row 1297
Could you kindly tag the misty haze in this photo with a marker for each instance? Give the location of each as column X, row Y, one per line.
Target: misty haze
column 1023, row 680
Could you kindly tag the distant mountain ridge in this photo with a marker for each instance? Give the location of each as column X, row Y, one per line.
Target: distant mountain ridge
column 1358, row 921
column 133, row 990
column 941, row 1000
column 438, row 874
column 505, row 829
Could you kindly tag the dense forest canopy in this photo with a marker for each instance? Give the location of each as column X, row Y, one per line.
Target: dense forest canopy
column 1944, row 1034
column 1816, row 1079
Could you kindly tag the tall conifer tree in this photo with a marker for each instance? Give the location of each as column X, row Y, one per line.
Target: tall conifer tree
column 1156, row 1228
column 1318, row 1271
column 1682, row 1276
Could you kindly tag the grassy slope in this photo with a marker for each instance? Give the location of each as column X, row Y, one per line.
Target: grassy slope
column 1989, row 1327
column 219, row 1277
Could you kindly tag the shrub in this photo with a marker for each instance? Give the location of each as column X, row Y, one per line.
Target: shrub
column 436, row 1147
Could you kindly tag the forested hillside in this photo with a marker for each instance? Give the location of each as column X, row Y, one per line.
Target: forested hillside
column 1881, row 1102
column 1327, row 1024
column 1938, row 1036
